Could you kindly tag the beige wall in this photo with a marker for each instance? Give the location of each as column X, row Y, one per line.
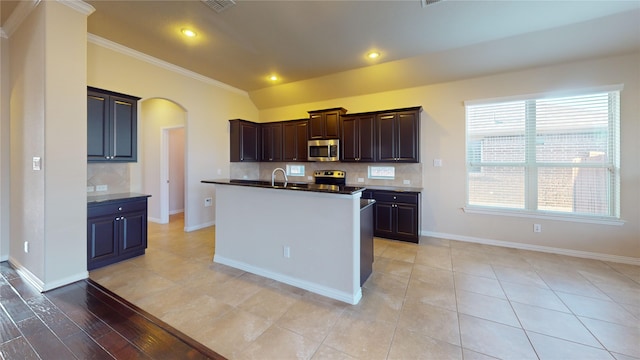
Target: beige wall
column 27, row 62
column 156, row 114
column 48, row 120
column 443, row 137
column 4, row 149
column 208, row 108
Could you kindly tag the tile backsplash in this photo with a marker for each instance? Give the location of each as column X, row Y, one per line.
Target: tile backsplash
column 114, row 175
column 403, row 172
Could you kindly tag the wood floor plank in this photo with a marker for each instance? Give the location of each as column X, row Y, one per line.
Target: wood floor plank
column 83, row 321
column 17, row 348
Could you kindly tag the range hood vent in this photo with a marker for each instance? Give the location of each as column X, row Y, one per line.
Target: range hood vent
column 219, row 5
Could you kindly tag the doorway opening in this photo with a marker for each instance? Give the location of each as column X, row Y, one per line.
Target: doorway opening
column 164, row 163
column 173, row 175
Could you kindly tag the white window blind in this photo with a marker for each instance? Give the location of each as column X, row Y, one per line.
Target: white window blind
column 558, row 155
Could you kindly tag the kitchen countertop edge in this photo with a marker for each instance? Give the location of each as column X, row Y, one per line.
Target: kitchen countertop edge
column 105, row 199
column 344, row 190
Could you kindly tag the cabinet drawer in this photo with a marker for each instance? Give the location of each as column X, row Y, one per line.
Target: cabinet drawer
column 395, row 197
column 116, row 208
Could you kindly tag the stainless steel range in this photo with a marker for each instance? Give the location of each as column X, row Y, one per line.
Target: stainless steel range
column 330, row 177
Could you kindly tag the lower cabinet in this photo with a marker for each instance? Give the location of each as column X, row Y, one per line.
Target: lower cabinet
column 396, row 215
column 116, row 231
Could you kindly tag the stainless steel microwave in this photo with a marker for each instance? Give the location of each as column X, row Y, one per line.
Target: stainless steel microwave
column 323, row 150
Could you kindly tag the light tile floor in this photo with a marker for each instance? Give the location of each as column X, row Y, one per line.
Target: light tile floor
column 440, row 299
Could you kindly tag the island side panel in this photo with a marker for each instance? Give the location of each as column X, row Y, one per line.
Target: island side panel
column 322, row 231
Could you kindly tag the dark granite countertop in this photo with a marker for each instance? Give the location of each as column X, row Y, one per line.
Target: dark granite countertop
column 102, row 199
column 365, row 203
column 394, row 188
column 298, row 186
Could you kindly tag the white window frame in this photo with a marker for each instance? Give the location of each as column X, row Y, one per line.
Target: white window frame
column 531, row 167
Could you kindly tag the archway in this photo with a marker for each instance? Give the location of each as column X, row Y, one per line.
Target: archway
column 163, row 173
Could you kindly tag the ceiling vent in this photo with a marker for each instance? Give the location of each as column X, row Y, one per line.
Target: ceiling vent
column 219, row 5
column 425, row 3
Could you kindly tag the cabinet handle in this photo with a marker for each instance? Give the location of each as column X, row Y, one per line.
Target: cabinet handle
column 120, row 209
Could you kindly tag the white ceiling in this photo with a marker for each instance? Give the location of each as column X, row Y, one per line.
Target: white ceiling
column 302, row 40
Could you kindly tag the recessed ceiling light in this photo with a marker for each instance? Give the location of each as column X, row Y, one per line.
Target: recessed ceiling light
column 273, row 77
column 188, row 32
column 373, row 55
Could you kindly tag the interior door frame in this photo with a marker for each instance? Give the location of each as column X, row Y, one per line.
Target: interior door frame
column 164, row 173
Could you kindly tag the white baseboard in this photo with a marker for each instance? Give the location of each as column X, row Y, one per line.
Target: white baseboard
column 41, row 286
column 547, row 249
column 173, row 212
column 200, row 226
column 302, row 284
column 155, row 220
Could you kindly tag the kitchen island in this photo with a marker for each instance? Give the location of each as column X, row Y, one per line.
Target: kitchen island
column 304, row 235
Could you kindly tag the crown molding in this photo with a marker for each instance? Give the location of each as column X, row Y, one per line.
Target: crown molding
column 79, row 6
column 22, row 10
column 161, row 63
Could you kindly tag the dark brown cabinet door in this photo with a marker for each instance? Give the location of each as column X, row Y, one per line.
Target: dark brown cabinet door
column 97, row 126
column 399, row 136
column 116, row 231
column 407, row 221
column 272, row 142
column 102, row 247
column 332, row 125
column 294, row 143
column 358, row 138
column 111, row 126
column 325, row 124
column 244, row 141
column 396, row 215
column 384, row 219
column 316, row 126
column 124, row 129
column 408, row 136
column 133, row 232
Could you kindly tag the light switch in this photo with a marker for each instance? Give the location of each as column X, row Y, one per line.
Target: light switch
column 437, row 162
column 36, row 163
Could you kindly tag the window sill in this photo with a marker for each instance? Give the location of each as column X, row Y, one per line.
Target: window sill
column 545, row 216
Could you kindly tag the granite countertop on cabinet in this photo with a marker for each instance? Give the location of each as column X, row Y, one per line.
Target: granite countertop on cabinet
column 394, row 188
column 296, row 186
column 104, row 199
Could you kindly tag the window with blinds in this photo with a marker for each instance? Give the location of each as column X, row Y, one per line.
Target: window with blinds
column 542, row 154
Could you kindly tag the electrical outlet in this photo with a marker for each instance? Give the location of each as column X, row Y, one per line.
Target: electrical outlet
column 360, row 180
column 208, row 202
column 406, row 182
column 101, row 187
column 537, row 228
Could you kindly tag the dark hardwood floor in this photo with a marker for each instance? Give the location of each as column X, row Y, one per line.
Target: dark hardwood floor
column 83, row 321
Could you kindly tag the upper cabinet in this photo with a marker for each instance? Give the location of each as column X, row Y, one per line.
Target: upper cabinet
column 244, row 140
column 325, row 124
column 272, row 142
column 398, row 135
column 294, row 143
column 112, row 134
column 357, row 138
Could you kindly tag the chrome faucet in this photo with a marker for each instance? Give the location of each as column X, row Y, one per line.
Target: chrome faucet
column 273, row 176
